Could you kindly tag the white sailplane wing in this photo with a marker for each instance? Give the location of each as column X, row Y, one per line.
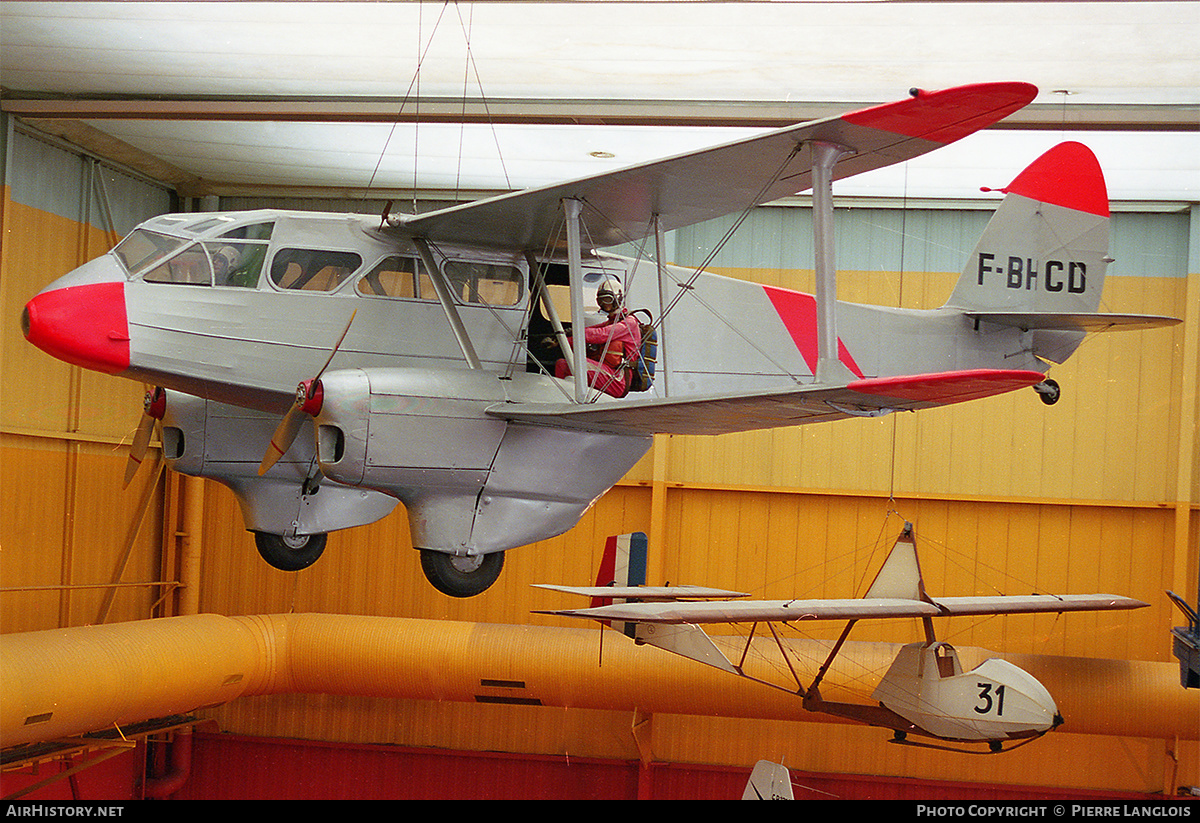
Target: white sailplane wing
column 1035, row 604
column 619, row 206
column 750, row 611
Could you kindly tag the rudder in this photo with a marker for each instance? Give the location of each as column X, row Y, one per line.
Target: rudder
column 1045, row 250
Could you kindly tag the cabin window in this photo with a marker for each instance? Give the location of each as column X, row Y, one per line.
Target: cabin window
column 398, row 276
column 212, row 263
column 142, row 249
column 236, row 264
column 313, row 269
column 191, row 267
column 251, row 231
column 488, row 284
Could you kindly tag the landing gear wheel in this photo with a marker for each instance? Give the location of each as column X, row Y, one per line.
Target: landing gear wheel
column 461, row 576
column 290, row 554
column 1048, row 391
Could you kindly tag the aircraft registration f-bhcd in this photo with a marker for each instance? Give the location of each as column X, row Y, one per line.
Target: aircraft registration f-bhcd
column 434, row 355
column 925, row 690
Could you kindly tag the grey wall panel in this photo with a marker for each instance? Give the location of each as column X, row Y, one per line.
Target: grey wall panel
column 1145, row 244
column 45, row 177
column 53, row 179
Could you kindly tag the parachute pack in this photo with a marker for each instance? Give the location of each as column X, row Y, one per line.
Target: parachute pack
column 643, row 363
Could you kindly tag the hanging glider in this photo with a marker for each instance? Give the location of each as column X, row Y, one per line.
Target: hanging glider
column 925, row 690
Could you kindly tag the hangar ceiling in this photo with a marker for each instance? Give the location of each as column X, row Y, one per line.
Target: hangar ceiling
column 326, row 99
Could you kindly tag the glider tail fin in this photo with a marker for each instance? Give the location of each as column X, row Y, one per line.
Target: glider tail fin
column 623, row 564
column 1045, row 250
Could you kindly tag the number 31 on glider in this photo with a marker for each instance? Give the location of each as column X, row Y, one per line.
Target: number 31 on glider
column 463, row 387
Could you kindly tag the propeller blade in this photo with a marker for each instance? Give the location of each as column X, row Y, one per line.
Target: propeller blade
column 308, row 392
column 282, row 440
column 336, row 346
column 137, row 450
column 155, row 405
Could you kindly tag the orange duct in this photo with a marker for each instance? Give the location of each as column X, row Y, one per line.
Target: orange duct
column 67, row 682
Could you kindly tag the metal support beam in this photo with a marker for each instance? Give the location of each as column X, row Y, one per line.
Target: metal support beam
column 572, row 209
column 829, row 367
column 539, row 284
column 660, row 259
column 447, row 300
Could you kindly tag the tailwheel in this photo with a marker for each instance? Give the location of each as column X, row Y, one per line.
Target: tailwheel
column 461, row 575
column 1048, row 391
column 290, row 554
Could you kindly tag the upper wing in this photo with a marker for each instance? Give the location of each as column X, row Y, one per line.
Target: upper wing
column 748, row 611
column 806, row 404
column 691, row 188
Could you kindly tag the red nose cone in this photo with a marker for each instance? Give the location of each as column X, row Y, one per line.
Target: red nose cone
column 85, row 325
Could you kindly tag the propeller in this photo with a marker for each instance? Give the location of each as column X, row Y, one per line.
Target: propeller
column 155, row 405
column 309, row 398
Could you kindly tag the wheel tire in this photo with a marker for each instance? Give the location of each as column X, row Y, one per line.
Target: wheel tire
column 290, row 554
column 453, row 576
column 1052, row 393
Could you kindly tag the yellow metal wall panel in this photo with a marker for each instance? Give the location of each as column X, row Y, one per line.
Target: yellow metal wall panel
column 33, row 508
column 72, row 534
column 40, row 392
column 37, row 248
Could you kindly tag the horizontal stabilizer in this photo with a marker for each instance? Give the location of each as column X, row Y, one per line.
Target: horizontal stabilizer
column 645, row 593
column 1083, row 321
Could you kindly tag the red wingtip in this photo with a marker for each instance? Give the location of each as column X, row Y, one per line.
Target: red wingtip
column 949, row 114
column 1069, row 176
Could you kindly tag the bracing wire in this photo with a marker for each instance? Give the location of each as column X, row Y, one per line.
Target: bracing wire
column 414, row 85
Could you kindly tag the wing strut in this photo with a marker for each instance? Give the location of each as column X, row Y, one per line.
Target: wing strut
column 443, row 292
column 572, row 209
column 548, row 306
column 830, row 369
column 660, row 260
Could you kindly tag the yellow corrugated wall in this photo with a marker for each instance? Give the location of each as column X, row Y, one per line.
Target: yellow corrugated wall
column 1096, row 493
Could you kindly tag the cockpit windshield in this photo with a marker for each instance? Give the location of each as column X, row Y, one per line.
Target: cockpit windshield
column 233, row 258
column 143, row 248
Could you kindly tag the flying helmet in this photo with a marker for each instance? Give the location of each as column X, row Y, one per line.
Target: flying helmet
column 610, row 290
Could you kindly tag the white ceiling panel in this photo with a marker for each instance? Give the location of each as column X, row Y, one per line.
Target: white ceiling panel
column 325, row 95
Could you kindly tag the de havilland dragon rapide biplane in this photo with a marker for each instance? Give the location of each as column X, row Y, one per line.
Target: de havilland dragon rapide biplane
column 419, row 342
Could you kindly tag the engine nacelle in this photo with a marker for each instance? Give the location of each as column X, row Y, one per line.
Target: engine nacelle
column 473, row 483
column 204, row 438
column 994, row 701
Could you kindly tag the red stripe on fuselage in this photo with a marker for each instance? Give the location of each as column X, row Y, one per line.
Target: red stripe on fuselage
column 83, row 325
column 798, row 312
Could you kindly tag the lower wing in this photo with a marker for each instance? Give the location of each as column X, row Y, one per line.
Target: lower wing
column 723, row 414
